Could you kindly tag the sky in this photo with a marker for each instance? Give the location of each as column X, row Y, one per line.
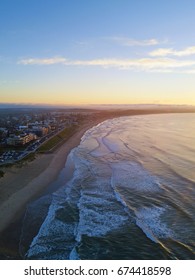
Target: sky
column 66, row 52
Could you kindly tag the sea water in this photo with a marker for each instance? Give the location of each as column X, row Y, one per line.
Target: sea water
column 131, row 195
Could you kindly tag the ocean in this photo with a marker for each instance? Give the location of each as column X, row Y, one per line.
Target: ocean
column 131, row 195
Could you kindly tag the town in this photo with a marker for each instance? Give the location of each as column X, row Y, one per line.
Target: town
column 23, row 132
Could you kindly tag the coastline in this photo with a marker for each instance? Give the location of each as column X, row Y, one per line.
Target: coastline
column 21, row 185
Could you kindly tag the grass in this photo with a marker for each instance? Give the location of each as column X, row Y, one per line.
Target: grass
column 58, row 139
column 29, row 157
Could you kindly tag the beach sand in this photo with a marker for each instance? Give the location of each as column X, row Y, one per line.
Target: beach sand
column 22, row 184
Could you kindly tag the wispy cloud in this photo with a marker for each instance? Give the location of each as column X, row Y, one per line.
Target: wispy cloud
column 125, row 41
column 170, row 51
column 162, row 64
column 42, row 61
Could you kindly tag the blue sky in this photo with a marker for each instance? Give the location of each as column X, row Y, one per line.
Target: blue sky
column 90, row 52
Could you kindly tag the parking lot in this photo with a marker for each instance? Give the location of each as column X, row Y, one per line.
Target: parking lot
column 14, row 155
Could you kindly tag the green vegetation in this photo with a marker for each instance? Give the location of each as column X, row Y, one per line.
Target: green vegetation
column 29, row 157
column 57, row 140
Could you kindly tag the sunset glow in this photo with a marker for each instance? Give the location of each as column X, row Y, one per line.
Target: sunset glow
column 97, row 52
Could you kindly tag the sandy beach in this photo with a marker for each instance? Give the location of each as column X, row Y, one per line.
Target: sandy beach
column 22, row 184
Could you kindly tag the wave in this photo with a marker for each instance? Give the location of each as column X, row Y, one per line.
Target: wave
column 121, row 186
column 149, row 220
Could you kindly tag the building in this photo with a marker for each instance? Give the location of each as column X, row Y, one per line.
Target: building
column 20, row 140
column 40, row 130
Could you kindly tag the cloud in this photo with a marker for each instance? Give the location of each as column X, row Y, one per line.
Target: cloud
column 161, row 52
column 142, row 64
column 166, row 52
column 42, row 61
column 124, row 41
column 160, row 64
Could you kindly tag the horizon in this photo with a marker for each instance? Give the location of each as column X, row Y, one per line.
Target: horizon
column 89, row 106
column 93, row 53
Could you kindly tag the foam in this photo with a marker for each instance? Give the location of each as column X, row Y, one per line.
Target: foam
column 95, row 224
column 101, row 150
column 133, row 175
column 111, row 145
column 54, row 232
column 95, row 130
column 149, row 220
column 99, row 215
column 52, row 236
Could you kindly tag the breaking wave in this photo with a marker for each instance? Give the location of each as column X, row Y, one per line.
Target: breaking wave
column 130, row 196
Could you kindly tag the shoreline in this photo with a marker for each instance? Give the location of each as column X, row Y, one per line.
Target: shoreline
column 20, row 185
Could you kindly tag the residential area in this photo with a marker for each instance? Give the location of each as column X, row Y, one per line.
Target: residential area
column 22, row 132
